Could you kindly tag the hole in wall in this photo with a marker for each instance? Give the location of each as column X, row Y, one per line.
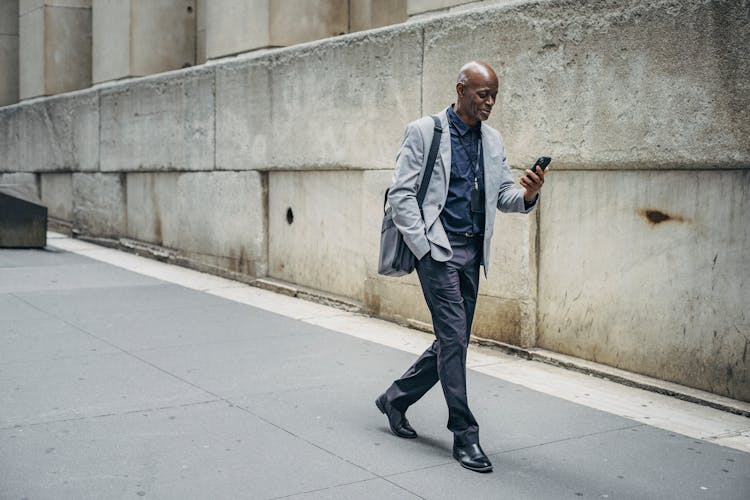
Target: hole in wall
column 654, row 216
column 190, row 9
column 289, row 215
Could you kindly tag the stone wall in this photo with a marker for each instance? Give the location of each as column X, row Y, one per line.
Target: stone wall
column 274, row 164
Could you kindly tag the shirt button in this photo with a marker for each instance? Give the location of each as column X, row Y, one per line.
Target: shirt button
column 440, row 206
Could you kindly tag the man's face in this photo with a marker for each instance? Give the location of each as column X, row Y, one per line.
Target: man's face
column 478, row 95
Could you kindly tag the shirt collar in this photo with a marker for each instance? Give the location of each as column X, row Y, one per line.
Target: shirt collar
column 461, row 127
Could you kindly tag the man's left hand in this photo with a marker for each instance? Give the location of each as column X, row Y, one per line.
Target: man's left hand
column 532, row 182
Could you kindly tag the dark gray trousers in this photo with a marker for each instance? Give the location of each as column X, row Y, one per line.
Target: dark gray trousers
column 450, row 289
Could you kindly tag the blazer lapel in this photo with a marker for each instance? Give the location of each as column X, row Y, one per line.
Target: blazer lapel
column 445, row 148
column 490, row 164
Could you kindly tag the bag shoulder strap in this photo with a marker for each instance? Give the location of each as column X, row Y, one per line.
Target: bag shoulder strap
column 431, row 156
column 430, row 160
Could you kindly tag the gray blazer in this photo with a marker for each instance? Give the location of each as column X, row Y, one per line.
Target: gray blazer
column 428, row 235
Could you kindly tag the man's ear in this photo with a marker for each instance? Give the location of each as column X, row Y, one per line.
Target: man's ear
column 460, row 89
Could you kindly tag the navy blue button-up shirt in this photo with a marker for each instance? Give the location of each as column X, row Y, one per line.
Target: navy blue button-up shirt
column 457, row 216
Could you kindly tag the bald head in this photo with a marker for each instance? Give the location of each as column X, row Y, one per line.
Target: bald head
column 476, row 90
column 475, row 69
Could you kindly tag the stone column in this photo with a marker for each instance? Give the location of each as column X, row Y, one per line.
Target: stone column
column 415, row 7
column 368, row 14
column 298, row 21
column 8, row 52
column 200, row 31
column 234, row 26
column 55, row 46
column 142, row 37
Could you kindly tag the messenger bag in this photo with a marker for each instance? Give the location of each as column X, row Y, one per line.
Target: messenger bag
column 395, row 257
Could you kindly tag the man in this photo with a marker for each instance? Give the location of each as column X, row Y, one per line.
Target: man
column 450, row 238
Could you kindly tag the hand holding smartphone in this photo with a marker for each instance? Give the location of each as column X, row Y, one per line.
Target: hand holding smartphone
column 534, row 184
column 541, row 164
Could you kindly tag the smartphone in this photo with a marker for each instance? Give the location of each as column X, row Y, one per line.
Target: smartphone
column 541, row 163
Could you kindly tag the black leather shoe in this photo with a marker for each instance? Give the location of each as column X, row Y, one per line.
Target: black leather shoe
column 397, row 420
column 472, row 457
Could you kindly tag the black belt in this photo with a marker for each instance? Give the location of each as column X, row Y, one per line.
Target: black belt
column 465, row 235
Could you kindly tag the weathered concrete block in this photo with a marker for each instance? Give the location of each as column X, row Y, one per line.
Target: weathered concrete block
column 511, row 321
column 636, row 84
column 59, row 133
column 305, row 118
column 506, row 310
column 234, row 26
column 315, row 230
column 244, row 112
column 55, row 47
column 398, row 299
column 214, row 218
column 57, row 194
column 648, row 271
column 512, row 265
column 21, row 178
column 376, row 87
column 8, row 53
column 159, row 123
column 142, row 37
column 99, row 205
column 297, row 21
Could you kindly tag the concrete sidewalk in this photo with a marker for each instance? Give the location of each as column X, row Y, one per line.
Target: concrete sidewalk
column 122, row 377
